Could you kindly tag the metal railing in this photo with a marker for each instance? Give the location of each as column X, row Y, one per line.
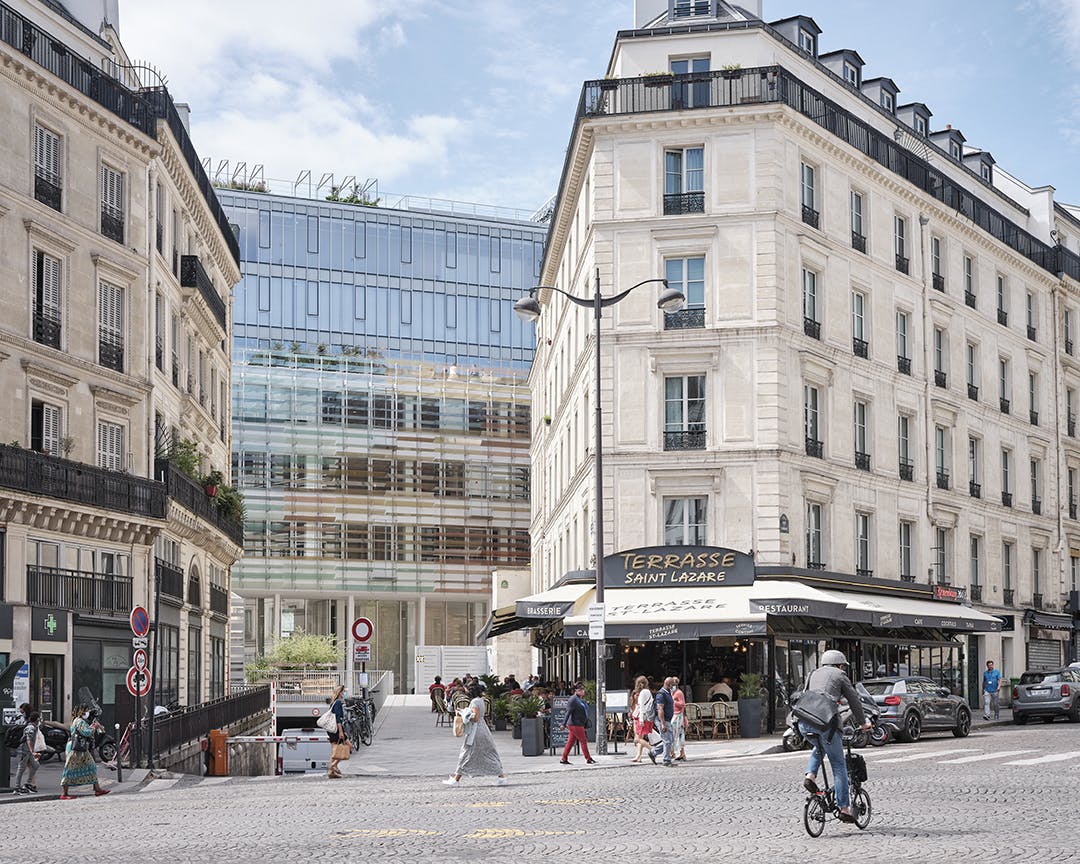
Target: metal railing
column 47, row 192
column 907, row 469
column 685, row 440
column 860, row 347
column 170, row 579
column 1031, row 333
column 973, row 392
column 858, row 242
column 79, row 591
column 684, row 319
column 862, row 461
column 111, row 353
column 191, row 496
column 969, row 299
column 194, row 592
column 112, row 224
column 1069, row 347
column 1033, row 418
column 811, row 328
column 1070, row 425
column 938, row 281
column 219, row 600
column 1036, row 506
column 54, row 477
column 940, row 378
column 684, row 202
column 195, row 722
column 942, row 479
column 1006, row 499
column 47, row 330
column 903, row 365
column 902, row 263
column 815, row 448
column 974, row 489
column 1004, row 405
column 975, row 593
column 194, row 275
column 1037, row 601
column 1003, row 317
column 1008, row 596
column 810, row 216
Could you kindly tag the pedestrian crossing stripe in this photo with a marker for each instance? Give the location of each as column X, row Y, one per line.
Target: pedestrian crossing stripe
column 1043, row 760
column 986, row 757
column 914, row 756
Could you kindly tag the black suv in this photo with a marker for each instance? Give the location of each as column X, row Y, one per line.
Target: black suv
column 913, row 704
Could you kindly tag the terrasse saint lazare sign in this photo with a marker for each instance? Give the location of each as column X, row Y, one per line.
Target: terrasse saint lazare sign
column 677, row 567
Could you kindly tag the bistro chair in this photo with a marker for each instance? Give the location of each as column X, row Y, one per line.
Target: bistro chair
column 442, row 713
column 694, row 721
column 488, row 718
column 722, row 719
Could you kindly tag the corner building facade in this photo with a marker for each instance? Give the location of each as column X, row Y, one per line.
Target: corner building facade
column 873, row 386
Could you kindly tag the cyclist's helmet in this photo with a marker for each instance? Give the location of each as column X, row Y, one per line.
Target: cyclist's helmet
column 833, row 658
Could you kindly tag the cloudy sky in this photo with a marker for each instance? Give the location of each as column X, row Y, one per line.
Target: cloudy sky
column 472, row 100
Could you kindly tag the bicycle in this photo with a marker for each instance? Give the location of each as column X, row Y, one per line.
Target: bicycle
column 358, row 725
column 822, row 804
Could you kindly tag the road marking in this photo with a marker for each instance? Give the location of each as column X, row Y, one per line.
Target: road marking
column 1042, row 760
column 915, row 756
column 388, row 832
column 986, row 757
column 588, row 801
column 160, row 785
column 214, row 781
column 505, row 833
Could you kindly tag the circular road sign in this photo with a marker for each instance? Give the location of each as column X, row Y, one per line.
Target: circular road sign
column 140, row 687
column 140, row 621
column 138, row 660
column 362, row 628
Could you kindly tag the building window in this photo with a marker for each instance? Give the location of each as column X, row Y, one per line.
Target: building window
column 851, row 74
column 941, row 457
column 1003, row 383
column 808, row 42
column 684, row 413
column 903, row 355
column 920, row 125
column 1033, row 397
column 969, row 281
column 1036, row 576
column 112, row 203
column 862, row 450
column 47, row 315
column 695, row 93
column 811, row 313
column 1006, row 477
column 858, row 323
column 111, row 326
column 888, row 101
column 900, row 243
column 903, row 441
column 975, row 569
column 48, row 185
column 941, row 549
column 1068, row 332
column 1036, row 498
column 954, row 150
column 972, row 362
column 907, row 573
column 217, row 667
column 1002, row 301
column 168, row 684
column 1006, row 568
column 194, row 666
column 815, row 551
column 1070, row 478
column 974, row 475
column 45, row 428
column 811, row 420
column 858, row 232
column 110, row 446
column 685, row 521
column 808, row 175
column 862, row 545
column 935, row 264
column 940, row 357
column 686, row 275
column 1029, row 308
column 986, row 171
column 684, row 181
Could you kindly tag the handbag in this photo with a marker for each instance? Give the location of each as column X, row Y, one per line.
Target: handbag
column 39, row 742
column 341, row 750
column 459, row 725
column 81, row 744
column 328, row 721
column 817, row 710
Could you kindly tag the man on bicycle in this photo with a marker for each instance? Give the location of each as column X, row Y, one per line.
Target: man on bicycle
column 831, row 680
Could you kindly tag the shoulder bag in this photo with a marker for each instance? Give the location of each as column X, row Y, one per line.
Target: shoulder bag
column 328, row 721
column 816, row 709
column 459, row 725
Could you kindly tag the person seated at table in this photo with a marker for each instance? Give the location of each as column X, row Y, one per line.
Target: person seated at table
column 437, row 685
column 512, row 686
column 721, row 691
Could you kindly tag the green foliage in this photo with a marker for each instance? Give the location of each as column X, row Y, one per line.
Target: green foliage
column 243, row 186
column 230, row 502
column 500, row 707
column 749, row 685
column 731, row 67
column 186, row 456
column 493, row 687
column 590, row 692
column 526, row 706
column 299, row 651
column 214, row 478
column 354, row 196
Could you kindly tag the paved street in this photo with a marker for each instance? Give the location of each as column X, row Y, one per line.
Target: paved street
column 989, row 794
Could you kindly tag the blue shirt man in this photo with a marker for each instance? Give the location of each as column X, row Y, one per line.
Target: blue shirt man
column 991, row 684
column 665, row 710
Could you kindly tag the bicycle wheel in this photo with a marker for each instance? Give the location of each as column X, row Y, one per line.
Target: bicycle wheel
column 814, row 816
column 365, row 731
column 860, row 808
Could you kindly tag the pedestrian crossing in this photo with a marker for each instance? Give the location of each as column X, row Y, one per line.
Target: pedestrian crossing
column 916, row 754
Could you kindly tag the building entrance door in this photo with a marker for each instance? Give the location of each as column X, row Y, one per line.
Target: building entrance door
column 46, row 686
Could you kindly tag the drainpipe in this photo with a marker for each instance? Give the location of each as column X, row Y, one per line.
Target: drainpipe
column 928, row 364
column 1059, row 398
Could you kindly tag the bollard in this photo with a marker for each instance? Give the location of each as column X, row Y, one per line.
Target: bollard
column 119, row 765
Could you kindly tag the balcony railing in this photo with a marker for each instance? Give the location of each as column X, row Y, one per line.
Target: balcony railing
column 903, row 365
column 1070, row 425
column 193, row 275
column 684, row 440
column 969, row 299
column 860, row 347
column 47, row 191
column 1036, row 506
column 684, row 319
column 159, row 355
column 192, row 497
column 973, row 392
column 1008, row 596
column 111, row 354
column 1006, row 499
column 938, row 282
column 815, row 448
column 940, row 378
column 1003, row 317
column 681, row 203
column 159, row 236
column 902, row 263
column 53, row 477
column 975, row 593
column 47, row 330
column 1004, row 405
column 974, row 489
column 194, row 592
column 112, row 224
column 862, row 461
column 175, row 371
column 864, row 572
column 170, row 579
column 1069, row 347
column 907, row 577
column 1031, row 333
column 907, row 469
column 815, row 565
column 810, row 216
column 942, row 479
column 1072, row 509
column 811, row 328
column 79, row 591
column 858, row 242
column 1037, row 601
column 193, row 723
column 219, row 600
column 1033, row 416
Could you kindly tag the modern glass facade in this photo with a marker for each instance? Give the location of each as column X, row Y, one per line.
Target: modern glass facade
column 381, row 419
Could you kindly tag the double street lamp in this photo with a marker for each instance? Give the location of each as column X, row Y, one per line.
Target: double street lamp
column 528, row 309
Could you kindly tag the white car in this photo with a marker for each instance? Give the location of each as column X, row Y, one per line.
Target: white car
column 301, row 756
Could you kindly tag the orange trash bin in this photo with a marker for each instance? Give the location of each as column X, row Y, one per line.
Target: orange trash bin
column 219, row 754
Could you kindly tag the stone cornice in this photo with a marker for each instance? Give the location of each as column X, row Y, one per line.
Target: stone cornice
column 49, row 373
column 44, row 352
column 104, row 262
column 43, row 232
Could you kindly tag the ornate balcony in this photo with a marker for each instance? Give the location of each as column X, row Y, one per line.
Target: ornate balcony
column 684, row 319
column 683, row 203
column 942, row 479
column 973, row 392
column 810, row 216
column 111, row 354
column 1008, row 596
column 975, row 593
column 192, row 497
column 864, row 572
column 858, row 242
column 47, row 191
column 969, row 299
column 219, row 600
column 1037, row 601
column 815, row 565
column 79, row 591
column 1033, row 416
column 1004, row 405
column 907, row 469
column 903, row 365
column 902, row 264
column 1072, row 509
column 170, row 579
column 112, row 224
column 159, row 355
column 862, row 461
column 1036, row 506
column 860, row 347
column 1031, row 333
column 47, row 330
column 815, row 448
column 1006, row 499
column 1071, row 425
column 940, row 378
column 907, row 577
column 1003, row 317
column 684, row 440
column 193, row 275
column 1069, row 347
column 938, row 282
column 974, row 489
column 811, row 328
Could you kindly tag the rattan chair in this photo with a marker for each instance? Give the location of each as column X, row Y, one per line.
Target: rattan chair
column 695, row 721
column 722, row 718
column 442, row 713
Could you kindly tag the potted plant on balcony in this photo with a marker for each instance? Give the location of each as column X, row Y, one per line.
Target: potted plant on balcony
column 750, row 705
column 230, row 503
column 657, row 79
column 211, row 482
column 732, row 70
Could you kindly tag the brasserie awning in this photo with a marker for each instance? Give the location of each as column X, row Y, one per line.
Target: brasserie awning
column 534, row 610
column 1048, row 620
column 889, row 612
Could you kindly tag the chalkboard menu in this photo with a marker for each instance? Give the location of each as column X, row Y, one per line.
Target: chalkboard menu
column 557, row 733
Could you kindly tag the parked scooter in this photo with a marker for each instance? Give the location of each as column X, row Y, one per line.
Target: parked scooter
column 878, row 735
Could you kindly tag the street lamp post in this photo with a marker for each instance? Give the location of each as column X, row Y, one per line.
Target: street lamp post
column 528, row 309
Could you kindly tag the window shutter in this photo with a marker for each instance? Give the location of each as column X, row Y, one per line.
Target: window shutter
column 112, row 191
column 47, row 154
column 50, row 429
column 110, row 446
column 110, row 313
column 47, row 284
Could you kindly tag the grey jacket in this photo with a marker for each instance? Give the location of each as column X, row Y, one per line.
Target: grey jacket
column 831, row 681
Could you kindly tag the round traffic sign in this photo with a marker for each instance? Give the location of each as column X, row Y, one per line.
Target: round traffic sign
column 138, row 681
column 140, row 621
column 138, row 659
column 362, row 628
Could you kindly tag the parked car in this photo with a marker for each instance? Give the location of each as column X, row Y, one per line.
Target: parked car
column 913, row 704
column 1047, row 695
column 301, row 756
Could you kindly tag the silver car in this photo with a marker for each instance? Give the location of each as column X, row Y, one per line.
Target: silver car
column 912, row 704
column 1047, row 695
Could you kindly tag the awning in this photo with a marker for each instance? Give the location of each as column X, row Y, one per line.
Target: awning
column 1048, row 620
column 894, row 612
column 534, row 610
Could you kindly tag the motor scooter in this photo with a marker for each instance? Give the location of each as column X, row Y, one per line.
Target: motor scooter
column 878, row 735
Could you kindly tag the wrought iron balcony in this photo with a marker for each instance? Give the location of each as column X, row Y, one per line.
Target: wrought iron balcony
column 684, row 440
column 112, row 224
column 681, row 203
column 175, row 372
column 1004, row 405
column 1071, row 425
column 1003, row 317
column 193, row 275
column 940, row 378
column 810, row 216
column 192, row 497
column 1037, row 601
column 815, row 448
column 907, row 577
column 194, row 593
column 1072, row 509
column 47, row 330
column 170, row 579
column 111, row 354
column 907, row 469
column 815, row 565
column 903, row 365
column 864, row 572
column 862, row 461
column 974, row 489
column 975, row 593
column 860, row 347
column 969, row 299
column 79, row 591
column 1031, row 333
column 942, row 479
column 858, row 242
column 973, row 392
column 1006, row 499
column 1033, row 416
column 219, row 600
column 1036, row 506
column 684, row 319
column 159, row 355
column 53, row 477
column 176, row 262
column 1069, row 347
column 1008, row 596
column 48, row 192
column 811, row 328
column 902, row 263
column 938, row 281
column 160, row 237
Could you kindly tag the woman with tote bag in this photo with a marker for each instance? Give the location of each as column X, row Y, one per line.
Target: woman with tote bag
column 340, row 746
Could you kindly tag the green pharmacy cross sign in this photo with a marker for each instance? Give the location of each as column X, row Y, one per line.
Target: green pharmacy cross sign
column 50, row 625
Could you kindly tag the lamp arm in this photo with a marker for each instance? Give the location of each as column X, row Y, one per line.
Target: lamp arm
column 611, row 301
column 589, row 302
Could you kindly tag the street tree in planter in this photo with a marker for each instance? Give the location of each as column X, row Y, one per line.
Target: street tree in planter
column 532, row 727
column 750, row 705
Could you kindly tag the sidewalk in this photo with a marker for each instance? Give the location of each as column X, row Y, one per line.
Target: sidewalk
column 48, row 782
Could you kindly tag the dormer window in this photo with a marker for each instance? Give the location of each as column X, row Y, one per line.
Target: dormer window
column 851, row 74
column 920, row 125
column 985, row 171
column 954, row 150
column 692, row 8
column 887, row 101
column 807, row 42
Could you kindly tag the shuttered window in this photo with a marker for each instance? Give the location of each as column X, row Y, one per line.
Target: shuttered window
column 112, row 192
column 47, row 155
column 110, row 446
column 111, row 313
column 45, row 428
column 46, row 285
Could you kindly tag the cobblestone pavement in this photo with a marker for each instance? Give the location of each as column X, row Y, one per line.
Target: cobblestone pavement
column 987, row 795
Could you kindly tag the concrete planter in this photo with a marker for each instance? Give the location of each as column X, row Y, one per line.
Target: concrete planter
column 750, row 718
column 532, row 736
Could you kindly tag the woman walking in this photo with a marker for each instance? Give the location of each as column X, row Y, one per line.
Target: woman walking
column 644, row 711
column 80, row 768
column 340, row 746
column 478, row 757
column 678, row 722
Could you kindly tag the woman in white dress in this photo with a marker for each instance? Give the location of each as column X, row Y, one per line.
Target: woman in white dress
column 478, row 757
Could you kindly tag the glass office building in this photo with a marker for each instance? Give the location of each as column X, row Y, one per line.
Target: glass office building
column 381, row 419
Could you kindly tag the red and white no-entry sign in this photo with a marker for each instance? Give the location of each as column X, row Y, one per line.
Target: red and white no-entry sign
column 362, row 629
column 138, row 681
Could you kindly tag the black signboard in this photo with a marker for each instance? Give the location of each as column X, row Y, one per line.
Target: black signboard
column 671, row 632
column 553, row 609
column 557, row 734
column 48, row 625
column 677, row 567
column 942, row 622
